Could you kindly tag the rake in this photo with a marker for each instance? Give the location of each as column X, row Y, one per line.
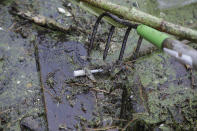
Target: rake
column 183, row 53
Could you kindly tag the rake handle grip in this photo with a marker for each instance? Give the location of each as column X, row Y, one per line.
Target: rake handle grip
column 152, row 35
column 162, row 40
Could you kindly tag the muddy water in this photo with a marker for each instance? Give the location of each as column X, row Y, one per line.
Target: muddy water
column 55, row 69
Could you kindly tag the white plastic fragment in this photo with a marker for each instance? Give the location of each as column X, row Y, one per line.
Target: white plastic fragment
column 30, row 91
column 63, row 11
column 1, row 28
column 131, row 96
column 68, row 14
column 161, row 125
column 82, row 72
column 69, row 5
column 18, row 82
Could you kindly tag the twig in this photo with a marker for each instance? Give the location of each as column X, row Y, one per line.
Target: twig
column 103, row 129
column 117, row 119
column 98, row 90
column 43, row 21
column 128, row 124
column 192, row 79
column 2, row 112
column 12, row 26
column 46, row 22
column 104, row 91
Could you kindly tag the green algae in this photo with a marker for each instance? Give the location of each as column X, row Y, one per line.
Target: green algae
column 164, row 92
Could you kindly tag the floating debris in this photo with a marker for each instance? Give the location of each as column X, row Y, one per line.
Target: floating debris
column 63, row 11
column 69, row 5
column 1, row 28
column 83, row 73
column 41, row 20
column 18, row 82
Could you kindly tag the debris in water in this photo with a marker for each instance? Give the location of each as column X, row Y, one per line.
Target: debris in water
column 63, row 11
column 82, row 72
column 41, row 20
column 18, row 82
column 1, row 28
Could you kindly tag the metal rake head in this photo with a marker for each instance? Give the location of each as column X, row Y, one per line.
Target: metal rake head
column 121, row 21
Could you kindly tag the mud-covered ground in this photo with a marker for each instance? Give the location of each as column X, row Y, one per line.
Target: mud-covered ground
column 38, row 91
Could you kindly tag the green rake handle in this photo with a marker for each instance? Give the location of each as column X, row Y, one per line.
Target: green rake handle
column 184, row 53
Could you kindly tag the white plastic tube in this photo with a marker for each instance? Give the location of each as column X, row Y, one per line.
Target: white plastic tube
column 82, row 72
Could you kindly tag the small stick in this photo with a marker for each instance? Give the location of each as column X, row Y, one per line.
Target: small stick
column 128, row 124
column 5, row 111
column 102, row 129
column 42, row 20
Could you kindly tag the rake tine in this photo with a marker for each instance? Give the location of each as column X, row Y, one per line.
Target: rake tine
column 117, row 19
column 121, row 21
column 94, row 33
column 108, row 42
column 137, row 48
column 124, row 43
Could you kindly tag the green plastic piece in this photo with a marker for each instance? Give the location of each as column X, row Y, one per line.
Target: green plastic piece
column 154, row 36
